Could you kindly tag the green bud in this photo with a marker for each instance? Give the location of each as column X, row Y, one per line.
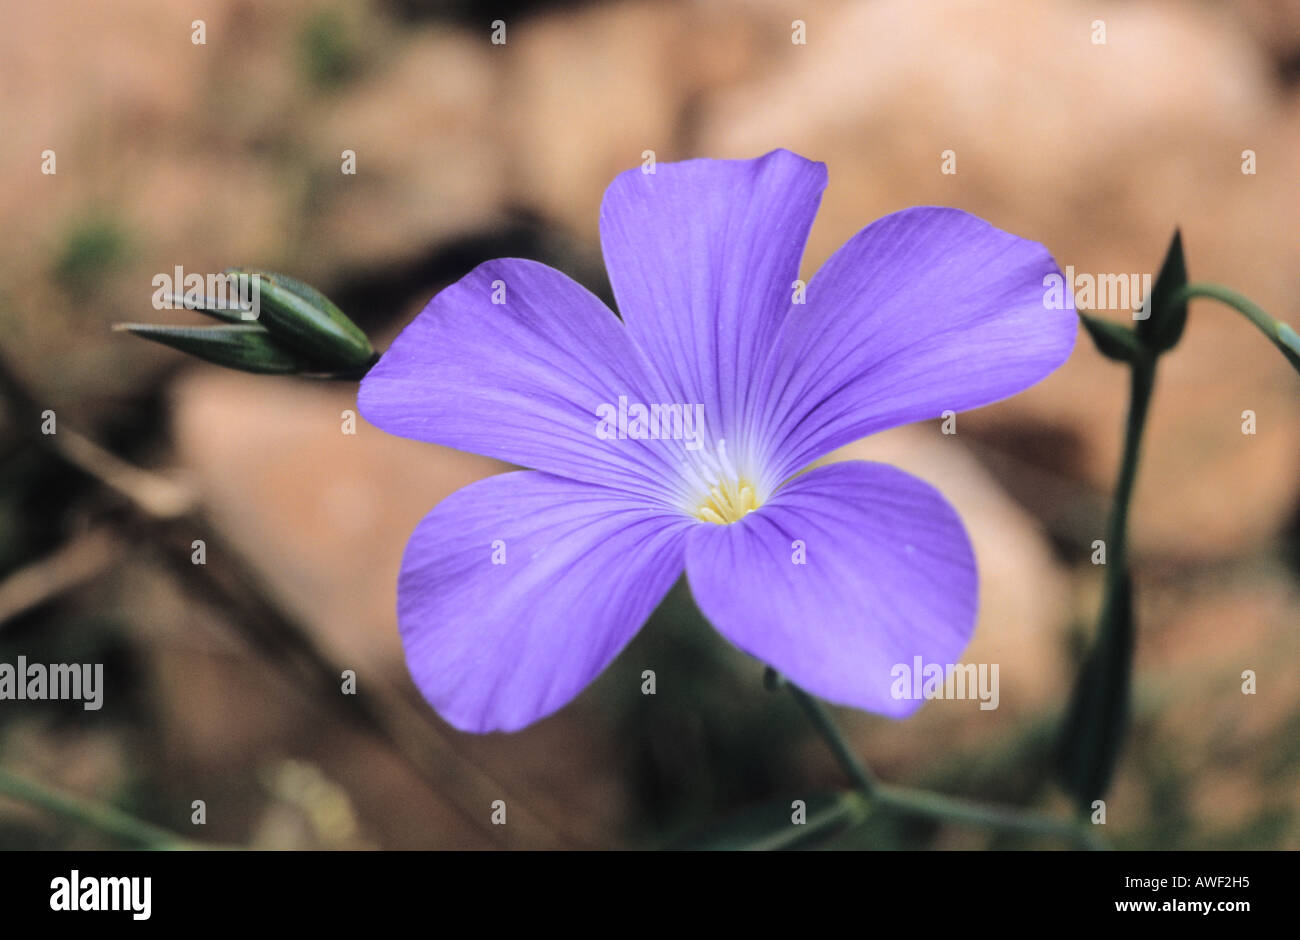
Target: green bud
column 247, row 347
column 1164, row 324
column 304, row 319
column 213, row 308
column 1112, row 340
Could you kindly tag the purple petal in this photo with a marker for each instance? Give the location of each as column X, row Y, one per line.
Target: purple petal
column 495, row 646
column 702, row 256
column 520, row 380
column 924, row 311
column 889, row 575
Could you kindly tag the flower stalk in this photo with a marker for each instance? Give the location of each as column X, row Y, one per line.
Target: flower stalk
column 1280, row 334
column 98, row 816
column 873, row 793
column 1093, row 730
column 1094, row 727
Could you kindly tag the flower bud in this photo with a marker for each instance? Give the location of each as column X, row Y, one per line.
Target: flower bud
column 246, row 346
column 303, row 319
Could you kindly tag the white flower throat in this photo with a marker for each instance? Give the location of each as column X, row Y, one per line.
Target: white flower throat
column 720, row 493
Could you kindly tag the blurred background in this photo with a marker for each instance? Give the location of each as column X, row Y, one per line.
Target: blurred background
column 223, row 680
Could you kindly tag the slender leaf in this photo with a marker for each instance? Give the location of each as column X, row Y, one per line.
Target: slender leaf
column 247, row 347
column 771, row 826
column 214, row 308
column 1094, row 726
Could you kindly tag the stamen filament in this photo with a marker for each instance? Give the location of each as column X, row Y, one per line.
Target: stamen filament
column 725, row 493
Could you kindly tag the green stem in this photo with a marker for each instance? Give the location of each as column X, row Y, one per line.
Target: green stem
column 1283, row 336
column 826, row 727
column 99, row 816
column 1142, row 382
column 1093, row 726
column 934, row 805
column 921, row 802
column 849, row 809
column 1010, row 818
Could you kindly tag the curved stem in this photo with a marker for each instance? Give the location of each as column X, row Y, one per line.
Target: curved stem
column 826, row 727
column 922, row 802
column 1283, row 336
column 1010, row 818
column 99, row 816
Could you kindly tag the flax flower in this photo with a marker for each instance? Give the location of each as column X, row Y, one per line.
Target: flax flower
column 516, row 591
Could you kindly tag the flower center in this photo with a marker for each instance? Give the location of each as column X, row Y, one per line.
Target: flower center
column 727, row 502
column 719, row 492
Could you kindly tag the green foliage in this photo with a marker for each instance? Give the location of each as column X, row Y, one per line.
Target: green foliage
column 1111, row 339
column 93, row 247
column 305, row 320
column 1093, row 731
column 328, row 50
column 298, row 330
column 772, row 825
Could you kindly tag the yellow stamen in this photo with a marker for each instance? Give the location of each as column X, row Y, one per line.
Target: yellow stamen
column 728, row 502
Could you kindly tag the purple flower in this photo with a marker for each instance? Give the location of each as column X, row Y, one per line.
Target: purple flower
column 516, row 591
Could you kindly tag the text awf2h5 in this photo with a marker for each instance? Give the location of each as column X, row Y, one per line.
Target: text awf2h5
column 655, row 422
